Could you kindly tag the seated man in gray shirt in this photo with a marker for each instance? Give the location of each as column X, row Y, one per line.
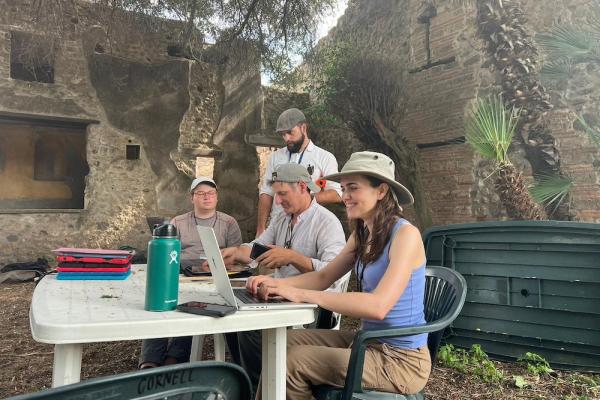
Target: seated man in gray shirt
column 204, row 197
column 304, row 238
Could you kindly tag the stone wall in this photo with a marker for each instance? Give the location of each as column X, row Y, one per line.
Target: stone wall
column 447, row 68
column 138, row 94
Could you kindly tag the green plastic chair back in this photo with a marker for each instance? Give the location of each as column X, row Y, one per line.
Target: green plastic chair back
column 445, row 293
column 190, row 381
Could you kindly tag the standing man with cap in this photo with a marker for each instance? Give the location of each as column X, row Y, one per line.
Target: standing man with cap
column 304, row 238
column 204, row 197
column 293, row 128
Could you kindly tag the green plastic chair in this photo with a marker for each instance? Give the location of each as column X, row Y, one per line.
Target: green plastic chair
column 445, row 292
column 189, row 381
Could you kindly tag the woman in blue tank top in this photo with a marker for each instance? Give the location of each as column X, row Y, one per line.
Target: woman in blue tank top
column 388, row 257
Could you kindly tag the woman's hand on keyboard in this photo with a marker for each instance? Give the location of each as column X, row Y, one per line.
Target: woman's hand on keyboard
column 254, row 282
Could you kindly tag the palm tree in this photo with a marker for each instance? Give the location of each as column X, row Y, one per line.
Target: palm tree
column 489, row 130
column 566, row 46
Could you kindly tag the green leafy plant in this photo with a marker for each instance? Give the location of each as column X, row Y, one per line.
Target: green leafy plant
column 592, row 131
column 558, row 68
column 566, row 41
column 453, row 357
column 483, row 367
column 519, row 381
column 551, row 190
column 491, row 128
column 319, row 115
column 277, row 31
column 474, row 361
column 536, row 364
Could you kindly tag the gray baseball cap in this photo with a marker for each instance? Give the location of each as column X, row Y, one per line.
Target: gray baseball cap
column 293, row 173
column 289, row 119
column 202, row 179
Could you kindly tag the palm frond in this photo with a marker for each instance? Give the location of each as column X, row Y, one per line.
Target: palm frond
column 592, row 131
column 490, row 128
column 551, row 190
column 562, row 67
column 593, row 22
column 566, row 41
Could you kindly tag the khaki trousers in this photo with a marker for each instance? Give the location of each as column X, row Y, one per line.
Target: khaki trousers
column 316, row 357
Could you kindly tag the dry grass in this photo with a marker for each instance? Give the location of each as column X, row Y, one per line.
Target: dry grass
column 26, row 366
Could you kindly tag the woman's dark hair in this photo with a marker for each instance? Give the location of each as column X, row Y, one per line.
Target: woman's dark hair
column 387, row 212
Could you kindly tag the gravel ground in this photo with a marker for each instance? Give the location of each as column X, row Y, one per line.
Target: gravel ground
column 26, row 366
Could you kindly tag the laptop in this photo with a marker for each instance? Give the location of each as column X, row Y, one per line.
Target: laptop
column 237, row 297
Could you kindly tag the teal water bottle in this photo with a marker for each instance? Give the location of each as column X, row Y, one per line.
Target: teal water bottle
column 162, row 273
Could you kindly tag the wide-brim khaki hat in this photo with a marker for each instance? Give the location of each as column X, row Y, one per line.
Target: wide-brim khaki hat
column 378, row 166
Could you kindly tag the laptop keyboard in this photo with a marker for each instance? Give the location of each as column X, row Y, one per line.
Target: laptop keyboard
column 247, row 298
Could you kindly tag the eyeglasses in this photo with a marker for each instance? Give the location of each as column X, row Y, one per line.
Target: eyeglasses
column 207, row 195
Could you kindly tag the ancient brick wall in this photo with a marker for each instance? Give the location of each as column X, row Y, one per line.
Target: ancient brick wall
column 447, row 69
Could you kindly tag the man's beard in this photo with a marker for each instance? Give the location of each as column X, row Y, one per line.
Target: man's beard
column 294, row 147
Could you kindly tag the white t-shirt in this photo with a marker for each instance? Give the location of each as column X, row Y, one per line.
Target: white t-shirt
column 319, row 163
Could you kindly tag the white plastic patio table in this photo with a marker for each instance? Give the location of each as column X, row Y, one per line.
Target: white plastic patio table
column 70, row 313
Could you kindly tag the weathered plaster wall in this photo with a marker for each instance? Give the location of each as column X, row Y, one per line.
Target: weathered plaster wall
column 237, row 171
column 139, row 95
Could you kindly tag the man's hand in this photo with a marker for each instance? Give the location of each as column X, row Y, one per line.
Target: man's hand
column 275, row 258
column 328, row 196
column 202, row 267
column 229, row 255
column 229, row 258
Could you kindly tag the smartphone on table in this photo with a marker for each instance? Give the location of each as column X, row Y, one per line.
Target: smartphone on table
column 210, row 309
column 257, row 250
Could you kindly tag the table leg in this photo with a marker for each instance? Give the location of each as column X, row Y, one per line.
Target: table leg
column 197, row 344
column 219, row 340
column 67, row 364
column 274, row 363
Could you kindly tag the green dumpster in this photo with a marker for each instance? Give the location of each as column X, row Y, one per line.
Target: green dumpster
column 532, row 286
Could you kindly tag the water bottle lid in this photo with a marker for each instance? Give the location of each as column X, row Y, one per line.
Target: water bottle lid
column 165, row 231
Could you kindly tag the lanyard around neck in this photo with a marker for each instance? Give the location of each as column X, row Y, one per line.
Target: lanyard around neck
column 216, row 216
column 361, row 276
column 289, row 234
column 301, row 154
